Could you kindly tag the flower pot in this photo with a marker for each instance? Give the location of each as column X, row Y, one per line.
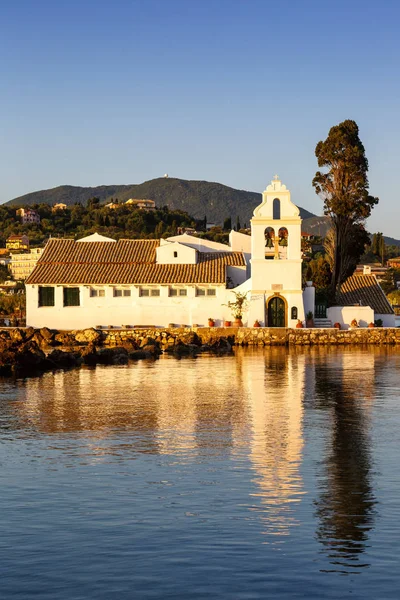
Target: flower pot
column 299, row 325
column 371, row 325
column 227, row 323
column 211, row 322
column 337, row 326
column 238, row 322
column 310, row 323
column 257, row 324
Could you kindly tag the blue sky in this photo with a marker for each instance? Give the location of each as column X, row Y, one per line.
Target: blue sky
column 96, row 92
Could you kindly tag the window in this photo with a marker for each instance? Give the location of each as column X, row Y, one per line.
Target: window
column 144, row 292
column 200, row 292
column 177, row 291
column 211, row 292
column 294, row 312
column 119, row 292
column 154, row 292
column 175, row 254
column 71, row 296
column 46, row 296
column 276, row 209
column 94, row 293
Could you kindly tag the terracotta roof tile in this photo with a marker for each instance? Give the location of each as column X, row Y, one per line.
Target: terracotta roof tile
column 366, row 289
column 124, row 262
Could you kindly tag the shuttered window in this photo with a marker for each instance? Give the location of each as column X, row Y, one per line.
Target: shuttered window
column 71, row 296
column 46, row 296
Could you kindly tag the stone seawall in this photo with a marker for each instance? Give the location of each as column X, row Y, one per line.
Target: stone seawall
column 262, row 336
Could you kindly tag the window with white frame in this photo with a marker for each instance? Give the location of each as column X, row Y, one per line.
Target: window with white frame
column 121, row 292
column 177, row 291
column 211, row 292
column 206, row 291
column 97, row 292
column 200, row 292
column 154, row 292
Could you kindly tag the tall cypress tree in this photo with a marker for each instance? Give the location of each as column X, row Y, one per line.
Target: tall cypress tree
column 343, row 185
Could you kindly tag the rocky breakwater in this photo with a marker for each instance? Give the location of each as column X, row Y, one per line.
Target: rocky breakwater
column 25, row 352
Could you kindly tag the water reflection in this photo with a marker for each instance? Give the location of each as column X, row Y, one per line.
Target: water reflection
column 345, row 505
column 259, row 413
column 276, row 390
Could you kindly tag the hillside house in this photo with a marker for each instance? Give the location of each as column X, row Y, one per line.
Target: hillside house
column 17, row 242
column 143, row 204
column 60, row 206
column 22, row 265
column 28, row 215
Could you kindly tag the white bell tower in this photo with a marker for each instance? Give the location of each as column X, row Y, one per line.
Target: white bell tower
column 276, row 256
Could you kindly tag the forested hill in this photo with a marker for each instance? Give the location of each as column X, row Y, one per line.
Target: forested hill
column 198, row 198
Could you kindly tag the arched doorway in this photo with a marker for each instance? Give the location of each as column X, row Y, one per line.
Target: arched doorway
column 276, row 312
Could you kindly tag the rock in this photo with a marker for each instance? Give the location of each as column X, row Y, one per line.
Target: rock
column 112, row 356
column 17, row 335
column 46, row 334
column 88, row 336
column 152, row 349
column 139, row 354
column 60, row 359
column 89, row 355
column 65, row 338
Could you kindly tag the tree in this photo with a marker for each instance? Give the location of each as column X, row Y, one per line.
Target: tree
column 228, row 224
column 343, row 185
column 237, row 223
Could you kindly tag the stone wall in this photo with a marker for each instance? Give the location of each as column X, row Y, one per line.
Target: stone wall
column 262, row 336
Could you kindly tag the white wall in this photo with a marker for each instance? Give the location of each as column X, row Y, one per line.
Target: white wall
column 345, row 314
column 133, row 310
column 388, row 320
column 185, row 254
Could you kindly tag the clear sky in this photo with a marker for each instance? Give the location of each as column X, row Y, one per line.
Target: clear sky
column 122, row 91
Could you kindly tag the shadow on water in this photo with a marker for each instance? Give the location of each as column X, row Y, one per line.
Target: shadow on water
column 345, row 505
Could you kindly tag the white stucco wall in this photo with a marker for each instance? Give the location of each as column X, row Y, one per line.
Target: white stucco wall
column 345, row 314
column 184, row 254
column 134, row 310
column 387, row 320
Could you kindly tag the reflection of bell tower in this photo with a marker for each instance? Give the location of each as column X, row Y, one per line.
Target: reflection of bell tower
column 276, row 253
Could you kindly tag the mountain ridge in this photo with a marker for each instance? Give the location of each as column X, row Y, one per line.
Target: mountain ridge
column 199, row 198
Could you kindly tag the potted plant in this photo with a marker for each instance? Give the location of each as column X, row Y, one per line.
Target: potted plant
column 228, row 323
column 310, row 319
column 354, row 324
column 378, row 323
column 337, row 325
column 299, row 324
column 371, row 325
column 257, row 323
column 211, row 322
column 238, row 306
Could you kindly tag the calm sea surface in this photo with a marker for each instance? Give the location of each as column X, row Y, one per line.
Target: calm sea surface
column 269, row 474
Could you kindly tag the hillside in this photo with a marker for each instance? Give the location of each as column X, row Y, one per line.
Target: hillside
column 198, row 198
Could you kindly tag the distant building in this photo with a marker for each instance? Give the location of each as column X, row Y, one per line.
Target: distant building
column 112, row 205
column 141, row 203
column 22, row 265
column 28, row 215
column 59, row 206
column 394, row 263
column 17, row 242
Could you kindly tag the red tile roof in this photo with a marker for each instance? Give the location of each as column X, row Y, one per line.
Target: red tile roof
column 124, row 262
column 364, row 289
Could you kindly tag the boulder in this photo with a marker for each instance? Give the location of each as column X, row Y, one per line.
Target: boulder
column 88, row 336
column 59, row 359
column 112, row 356
column 89, row 355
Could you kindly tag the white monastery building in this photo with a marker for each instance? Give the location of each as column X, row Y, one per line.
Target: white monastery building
column 97, row 281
